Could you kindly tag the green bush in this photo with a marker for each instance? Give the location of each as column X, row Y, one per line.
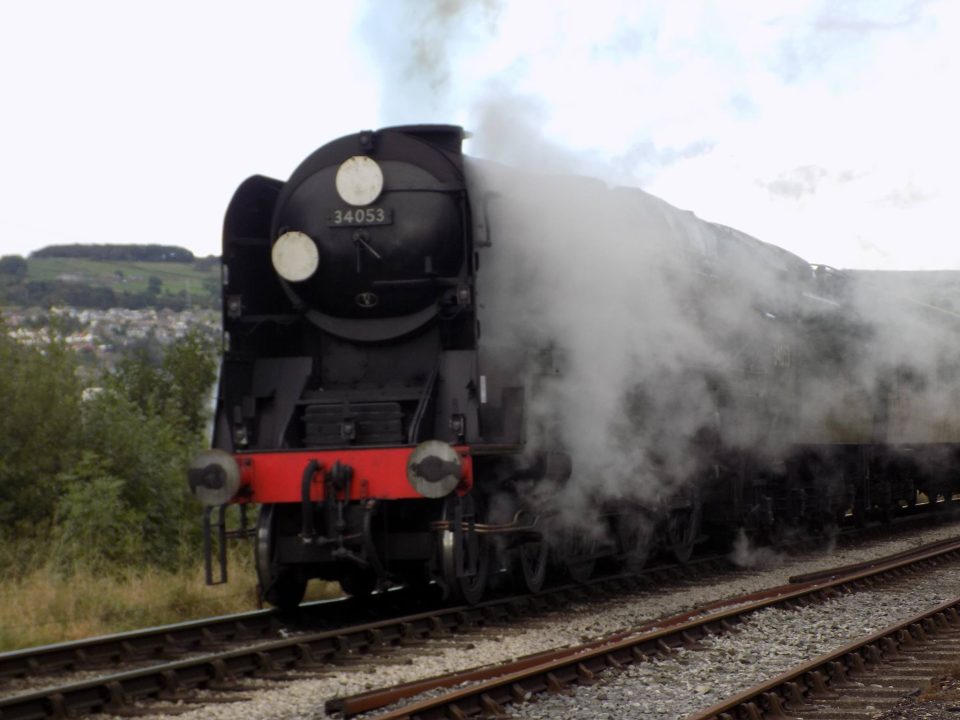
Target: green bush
column 101, row 479
column 39, row 431
column 95, row 525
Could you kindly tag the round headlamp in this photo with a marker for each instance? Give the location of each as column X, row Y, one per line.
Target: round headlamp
column 434, row 469
column 295, row 256
column 213, row 477
column 359, row 180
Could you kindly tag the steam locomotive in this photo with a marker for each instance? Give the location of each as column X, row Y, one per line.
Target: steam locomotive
column 371, row 406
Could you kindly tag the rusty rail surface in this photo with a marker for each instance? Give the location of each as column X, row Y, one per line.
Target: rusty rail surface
column 164, row 679
column 310, row 652
column 812, row 683
column 866, row 565
column 499, row 685
column 170, row 642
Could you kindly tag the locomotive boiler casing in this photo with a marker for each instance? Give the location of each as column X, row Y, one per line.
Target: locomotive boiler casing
column 377, row 346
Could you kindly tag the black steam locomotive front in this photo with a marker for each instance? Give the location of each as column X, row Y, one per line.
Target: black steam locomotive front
column 375, row 235
column 350, row 375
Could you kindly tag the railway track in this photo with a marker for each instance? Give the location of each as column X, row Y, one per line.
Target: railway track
column 166, row 682
column 489, row 690
column 153, row 664
column 860, row 679
column 171, row 642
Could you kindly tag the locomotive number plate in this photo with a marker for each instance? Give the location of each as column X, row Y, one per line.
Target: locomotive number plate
column 352, row 217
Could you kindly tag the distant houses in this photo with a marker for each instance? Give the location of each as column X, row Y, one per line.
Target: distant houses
column 104, row 334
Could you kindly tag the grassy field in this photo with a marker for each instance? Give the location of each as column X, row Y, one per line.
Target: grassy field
column 44, row 607
column 129, row 276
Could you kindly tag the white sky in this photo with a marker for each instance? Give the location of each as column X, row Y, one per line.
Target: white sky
column 826, row 127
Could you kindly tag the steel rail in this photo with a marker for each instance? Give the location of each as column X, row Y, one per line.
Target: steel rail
column 168, row 642
column 519, row 680
column 866, row 565
column 158, row 644
column 173, row 641
column 114, row 692
column 137, row 645
column 810, row 682
column 308, row 652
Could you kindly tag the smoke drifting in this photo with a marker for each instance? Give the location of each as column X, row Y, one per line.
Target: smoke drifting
column 647, row 337
column 416, row 44
column 746, row 555
column 652, row 342
column 610, row 288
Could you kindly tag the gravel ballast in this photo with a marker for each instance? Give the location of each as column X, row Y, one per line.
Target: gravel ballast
column 586, row 620
column 771, row 642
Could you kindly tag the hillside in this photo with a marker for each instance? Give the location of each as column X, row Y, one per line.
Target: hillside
column 189, row 277
column 96, row 283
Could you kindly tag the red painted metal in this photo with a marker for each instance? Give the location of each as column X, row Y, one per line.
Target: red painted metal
column 275, row 477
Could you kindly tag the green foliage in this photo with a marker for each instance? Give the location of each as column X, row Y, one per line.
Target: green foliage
column 190, row 366
column 111, row 276
column 95, row 524
column 39, row 430
column 137, row 377
column 149, row 458
column 13, row 265
column 103, row 477
column 155, row 253
column 175, row 386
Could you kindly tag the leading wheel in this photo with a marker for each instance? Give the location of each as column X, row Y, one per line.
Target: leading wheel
column 282, row 587
column 464, row 554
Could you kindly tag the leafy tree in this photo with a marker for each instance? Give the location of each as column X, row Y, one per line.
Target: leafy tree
column 189, row 364
column 13, row 265
column 39, row 430
column 102, row 477
column 175, row 384
column 145, row 454
column 138, row 378
column 136, row 253
column 96, row 527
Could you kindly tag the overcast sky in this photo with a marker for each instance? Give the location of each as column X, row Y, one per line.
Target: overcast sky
column 826, row 127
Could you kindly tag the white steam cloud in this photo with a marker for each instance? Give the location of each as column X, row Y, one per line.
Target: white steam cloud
column 647, row 337
column 629, row 316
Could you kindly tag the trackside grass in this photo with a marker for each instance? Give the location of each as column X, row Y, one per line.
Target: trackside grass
column 44, row 607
